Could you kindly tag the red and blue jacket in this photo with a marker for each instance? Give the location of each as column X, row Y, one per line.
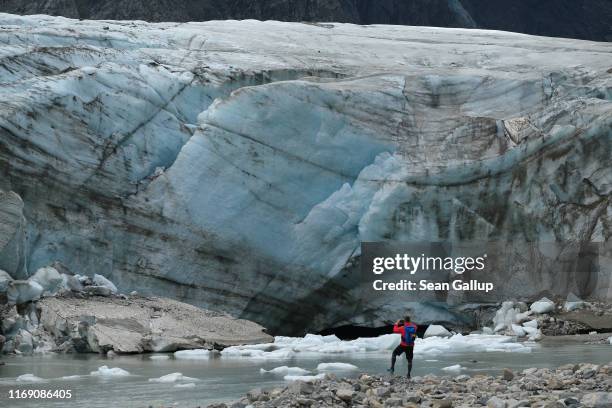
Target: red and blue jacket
column 408, row 332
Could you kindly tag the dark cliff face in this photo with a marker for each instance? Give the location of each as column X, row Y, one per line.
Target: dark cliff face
column 584, row 19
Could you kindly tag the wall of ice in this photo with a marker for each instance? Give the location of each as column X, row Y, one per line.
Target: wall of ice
column 238, row 165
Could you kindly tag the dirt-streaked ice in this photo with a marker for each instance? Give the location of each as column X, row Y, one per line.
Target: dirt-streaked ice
column 239, row 165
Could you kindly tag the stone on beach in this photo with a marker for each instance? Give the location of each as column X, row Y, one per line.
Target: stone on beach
column 565, row 386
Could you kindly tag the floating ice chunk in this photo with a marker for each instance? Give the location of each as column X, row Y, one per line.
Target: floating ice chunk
column 284, row 370
column 432, row 361
column 289, row 347
column 305, row 378
column 278, row 354
column 100, row 280
column 159, row 357
column 171, row 378
column 104, row 371
column 543, row 305
column 71, row 377
column 336, row 367
column 435, row 330
column 187, row 385
column 458, row 343
column 29, row 378
column 197, row 354
column 454, row 369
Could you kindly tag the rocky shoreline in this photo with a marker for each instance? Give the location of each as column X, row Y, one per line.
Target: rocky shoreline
column 570, row 385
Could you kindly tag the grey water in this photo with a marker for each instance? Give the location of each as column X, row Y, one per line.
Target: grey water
column 224, row 379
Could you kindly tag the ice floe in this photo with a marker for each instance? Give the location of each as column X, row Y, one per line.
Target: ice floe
column 29, row 378
column 316, row 345
column 305, row 378
column 71, row 377
column 172, row 378
column 336, row 367
column 196, row 354
column 104, row 371
column 159, row 357
column 285, row 370
column 454, row 369
column 187, row 385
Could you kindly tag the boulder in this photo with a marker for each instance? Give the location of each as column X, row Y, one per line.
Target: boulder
column 345, row 393
column 542, row 306
column 573, row 302
column 99, row 324
column 98, row 290
column 496, row 402
column 23, row 342
column 597, row 400
column 100, row 280
column 5, row 279
column 49, row 278
column 12, row 235
column 22, row 291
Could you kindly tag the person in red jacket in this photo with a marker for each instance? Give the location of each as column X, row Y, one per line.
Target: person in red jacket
column 408, row 331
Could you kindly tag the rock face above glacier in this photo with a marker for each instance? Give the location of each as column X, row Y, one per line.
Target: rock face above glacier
column 238, row 165
column 585, row 19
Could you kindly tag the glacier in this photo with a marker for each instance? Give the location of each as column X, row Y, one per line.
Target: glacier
column 238, row 165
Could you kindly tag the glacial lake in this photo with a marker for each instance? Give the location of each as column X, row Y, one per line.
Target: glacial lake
column 223, row 379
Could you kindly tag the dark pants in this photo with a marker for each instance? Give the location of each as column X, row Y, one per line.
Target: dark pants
column 399, row 350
